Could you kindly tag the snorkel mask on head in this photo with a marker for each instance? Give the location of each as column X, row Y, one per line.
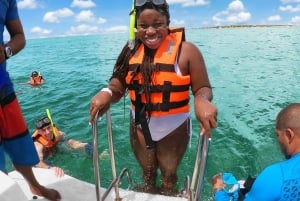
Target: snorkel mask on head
column 155, row 2
column 137, row 5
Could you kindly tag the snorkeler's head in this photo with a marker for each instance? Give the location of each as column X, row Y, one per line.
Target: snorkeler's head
column 34, row 74
column 159, row 5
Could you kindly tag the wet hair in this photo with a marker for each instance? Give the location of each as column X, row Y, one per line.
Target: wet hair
column 34, row 74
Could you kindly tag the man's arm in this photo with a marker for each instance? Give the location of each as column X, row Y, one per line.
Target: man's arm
column 17, row 38
column 41, row 164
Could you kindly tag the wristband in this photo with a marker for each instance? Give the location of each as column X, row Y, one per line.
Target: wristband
column 107, row 90
column 203, row 96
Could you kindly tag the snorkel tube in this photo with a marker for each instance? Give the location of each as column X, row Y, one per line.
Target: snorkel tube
column 131, row 41
column 52, row 124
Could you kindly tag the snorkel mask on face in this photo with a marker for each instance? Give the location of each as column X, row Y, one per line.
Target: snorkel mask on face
column 136, row 6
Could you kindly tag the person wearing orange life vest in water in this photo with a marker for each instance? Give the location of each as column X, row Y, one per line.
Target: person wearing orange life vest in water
column 36, row 78
column 46, row 137
column 158, row 72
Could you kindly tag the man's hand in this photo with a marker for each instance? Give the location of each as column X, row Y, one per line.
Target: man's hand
column 217, row 182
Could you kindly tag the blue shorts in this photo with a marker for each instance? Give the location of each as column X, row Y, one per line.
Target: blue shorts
column 15, row 139
column 21, row 151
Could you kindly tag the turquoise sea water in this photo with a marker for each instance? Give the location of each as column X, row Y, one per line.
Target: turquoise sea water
column 254, row 73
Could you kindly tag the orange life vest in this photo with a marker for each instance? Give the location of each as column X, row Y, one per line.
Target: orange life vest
column 47, row 143
column 169, row 91
column 37, row 81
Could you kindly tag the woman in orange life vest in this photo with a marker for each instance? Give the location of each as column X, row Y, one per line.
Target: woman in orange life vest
column 158, row 73
column 46, row 137
column 36, row 79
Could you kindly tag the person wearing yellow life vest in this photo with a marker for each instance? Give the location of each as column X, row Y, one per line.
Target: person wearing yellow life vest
column 158, row 71
column 46, row 137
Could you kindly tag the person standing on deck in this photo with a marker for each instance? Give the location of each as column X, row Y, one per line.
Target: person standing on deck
column 15, row 139
column 158, row 73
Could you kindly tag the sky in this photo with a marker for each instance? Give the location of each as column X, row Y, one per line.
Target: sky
column 56, row 18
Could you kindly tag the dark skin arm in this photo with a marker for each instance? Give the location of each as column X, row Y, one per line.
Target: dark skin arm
column 101, row 101
column 17, row 39
column 191, row 63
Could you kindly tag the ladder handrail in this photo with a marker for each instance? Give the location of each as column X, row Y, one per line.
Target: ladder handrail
column 204, row 154
column 199, row 168
column 96, row 159
column 111, row 152
column 116, row 180
column 191, row 193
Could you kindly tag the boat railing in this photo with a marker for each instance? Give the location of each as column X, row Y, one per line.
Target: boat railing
column 116, row 182
column 199, row 168
column 192, row 189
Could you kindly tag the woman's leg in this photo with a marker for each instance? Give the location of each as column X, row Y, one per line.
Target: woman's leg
column 170, row 151
column 145, row 157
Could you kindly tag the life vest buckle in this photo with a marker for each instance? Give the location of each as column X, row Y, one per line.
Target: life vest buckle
column 163, row 107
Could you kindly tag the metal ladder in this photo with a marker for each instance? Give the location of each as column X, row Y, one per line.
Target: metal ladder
column 191, row 191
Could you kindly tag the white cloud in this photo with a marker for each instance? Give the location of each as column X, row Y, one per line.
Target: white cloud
column 83, row 29
column 176, row 22
column 54, row 16
column 117, row 29
column 85, row 16
column 188, row 3
column 236, row 6
column 101, row 20
column 290, row 1
column 40, row 31
column 290, row 8
column 27, row 4
column 83, row 3
column 274, row 18
column 296, row 20
column 234, row 14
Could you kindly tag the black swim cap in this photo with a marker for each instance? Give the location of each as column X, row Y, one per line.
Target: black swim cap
column 34, row 74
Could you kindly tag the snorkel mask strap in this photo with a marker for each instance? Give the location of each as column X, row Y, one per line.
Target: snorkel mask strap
column 131, row 41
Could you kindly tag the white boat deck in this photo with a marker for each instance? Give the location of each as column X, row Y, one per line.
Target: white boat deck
column 13, row 187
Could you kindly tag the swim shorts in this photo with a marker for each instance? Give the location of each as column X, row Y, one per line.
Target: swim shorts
column 15, row 139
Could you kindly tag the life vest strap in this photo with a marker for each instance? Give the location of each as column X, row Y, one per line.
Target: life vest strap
column 164, row 106
column 145, row 128
column 157, row 67
column 140, row 116
column 162, row 88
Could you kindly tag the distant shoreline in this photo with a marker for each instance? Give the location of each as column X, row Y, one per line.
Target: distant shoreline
column 248, row 26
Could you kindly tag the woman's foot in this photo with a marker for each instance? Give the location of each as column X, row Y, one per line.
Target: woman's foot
column 148, row 189
column 169, row 192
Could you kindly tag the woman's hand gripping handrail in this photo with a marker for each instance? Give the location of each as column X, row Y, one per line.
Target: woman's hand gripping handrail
column 200, row 165
column 96, row 159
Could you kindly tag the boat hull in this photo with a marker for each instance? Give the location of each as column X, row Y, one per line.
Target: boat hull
column 13, row 187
